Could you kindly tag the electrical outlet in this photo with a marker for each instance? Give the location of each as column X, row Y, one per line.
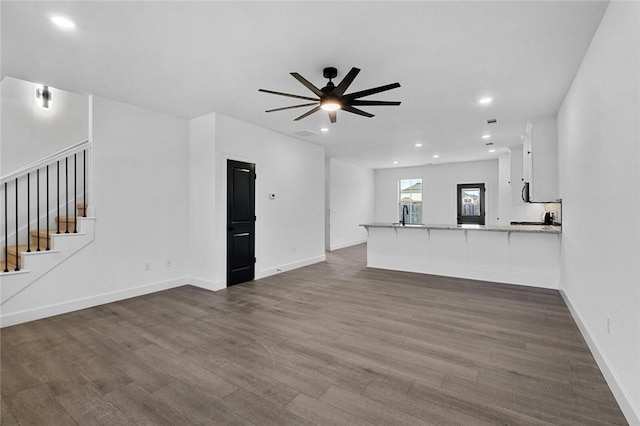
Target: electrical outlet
column 147, row 266
column 168, row 263
column 608, row 325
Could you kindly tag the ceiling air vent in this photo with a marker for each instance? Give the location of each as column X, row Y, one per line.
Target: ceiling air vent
column 305, row 133
column 492, row 121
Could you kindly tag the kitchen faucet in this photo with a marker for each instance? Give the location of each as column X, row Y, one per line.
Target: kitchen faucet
column 405, row 210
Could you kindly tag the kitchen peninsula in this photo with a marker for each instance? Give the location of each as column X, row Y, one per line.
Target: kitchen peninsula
column 526, row 255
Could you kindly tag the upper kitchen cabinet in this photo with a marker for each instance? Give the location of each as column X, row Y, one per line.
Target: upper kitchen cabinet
column 540, row 159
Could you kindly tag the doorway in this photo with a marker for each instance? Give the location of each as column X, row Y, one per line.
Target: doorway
column 241, row 222
column 471, row 208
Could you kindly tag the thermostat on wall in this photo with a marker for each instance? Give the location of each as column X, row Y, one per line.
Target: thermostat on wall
column 272, row 196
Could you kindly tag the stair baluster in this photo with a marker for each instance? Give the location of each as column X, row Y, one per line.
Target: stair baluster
column 37, row 207
column 58, row 191
column 29, row 235
column 17, row 245
column 84, row 180
column 75, row 197
column 6, row 230
column 28, row 212
column 66, row 193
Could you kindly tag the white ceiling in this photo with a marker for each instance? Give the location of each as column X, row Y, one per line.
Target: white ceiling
column 189, row 59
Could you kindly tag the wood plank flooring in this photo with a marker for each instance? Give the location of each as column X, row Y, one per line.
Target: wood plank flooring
column 329, row 344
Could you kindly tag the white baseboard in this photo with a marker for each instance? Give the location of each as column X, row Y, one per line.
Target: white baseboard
column 88, row 302
column 20, row 317
column 290, row 266
column 206, row 284
column 619, row 392
column 333, row 247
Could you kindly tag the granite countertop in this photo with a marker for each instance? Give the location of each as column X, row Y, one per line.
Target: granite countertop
column 542, row 229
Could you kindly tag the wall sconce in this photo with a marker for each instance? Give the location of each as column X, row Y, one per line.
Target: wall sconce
column 44, row 95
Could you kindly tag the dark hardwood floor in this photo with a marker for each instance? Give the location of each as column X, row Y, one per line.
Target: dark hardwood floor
column 329, row 344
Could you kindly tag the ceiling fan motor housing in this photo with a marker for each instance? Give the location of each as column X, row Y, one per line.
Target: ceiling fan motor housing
column 330, row 72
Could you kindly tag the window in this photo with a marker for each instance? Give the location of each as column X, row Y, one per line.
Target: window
column 470, row 203
column 410, row 195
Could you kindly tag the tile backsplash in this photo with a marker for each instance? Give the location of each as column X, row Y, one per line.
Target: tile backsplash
column 555, row 209
column 535, row 212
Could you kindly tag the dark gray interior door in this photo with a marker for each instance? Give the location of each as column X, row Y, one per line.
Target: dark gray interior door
column 241, row 221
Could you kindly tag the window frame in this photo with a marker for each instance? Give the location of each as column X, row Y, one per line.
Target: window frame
column 414, row 217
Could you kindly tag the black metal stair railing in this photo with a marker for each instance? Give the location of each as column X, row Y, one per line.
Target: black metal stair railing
column 21, row 214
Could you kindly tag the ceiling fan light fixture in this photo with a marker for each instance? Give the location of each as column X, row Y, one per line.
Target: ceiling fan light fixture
column 330, row 104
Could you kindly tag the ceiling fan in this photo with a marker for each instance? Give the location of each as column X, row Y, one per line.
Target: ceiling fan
column 331, row 98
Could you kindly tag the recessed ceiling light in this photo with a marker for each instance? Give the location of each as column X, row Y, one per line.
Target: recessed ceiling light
column 63, row 22
column 486, row 136
column 436, row 156
column 418, row 145
column 324, row 129
column 492, row 150
column 395, row 162
column 485, row 101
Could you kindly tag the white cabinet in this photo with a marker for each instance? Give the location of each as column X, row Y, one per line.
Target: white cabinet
column 540, row 159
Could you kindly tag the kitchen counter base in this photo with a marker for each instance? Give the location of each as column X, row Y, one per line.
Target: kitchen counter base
column 523, row 258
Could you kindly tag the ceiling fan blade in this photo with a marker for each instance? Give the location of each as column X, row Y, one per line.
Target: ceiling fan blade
column 290, row 107
column 308, row 113
column 346, row 81
column 374, row 103
column 353, row 110
column 287, row 94
column 373, row 91
column 307, row 84
column 333, row 116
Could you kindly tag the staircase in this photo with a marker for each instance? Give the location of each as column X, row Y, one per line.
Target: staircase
column 39, row 241
column 41, row 227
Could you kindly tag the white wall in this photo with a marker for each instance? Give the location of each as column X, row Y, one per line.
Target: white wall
column 599, row 140
column 504, row 187
column 351, row 203
column 140, row 199
column 30, row 132
column 202, row 201
column 439, row 187
column 289, row 229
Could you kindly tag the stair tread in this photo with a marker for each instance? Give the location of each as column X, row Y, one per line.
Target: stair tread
column 21, row 248
column 43, row 232
column 10, row 266
column 69, row 218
